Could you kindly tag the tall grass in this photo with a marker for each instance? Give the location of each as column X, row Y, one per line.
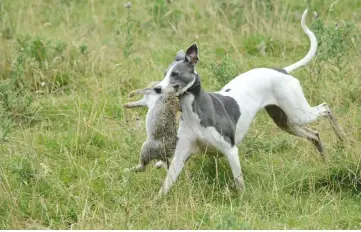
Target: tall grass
column 66, row 67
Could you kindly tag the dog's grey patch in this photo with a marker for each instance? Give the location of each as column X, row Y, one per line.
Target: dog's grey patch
column 278, row 116
column 179, row 57
column 213, row 109
column 281, row 70
column 182, row 74
column 281, row 120
column 218, row 111
column 227, row 90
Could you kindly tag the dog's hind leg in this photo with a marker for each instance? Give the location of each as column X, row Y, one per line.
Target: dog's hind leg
column 281, row 120
column 291, row 100
column 335, row 126
column 311, row 136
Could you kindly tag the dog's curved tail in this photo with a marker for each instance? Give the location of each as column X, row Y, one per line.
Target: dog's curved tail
column 311, row 53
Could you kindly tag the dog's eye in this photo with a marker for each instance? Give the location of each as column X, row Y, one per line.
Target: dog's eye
column 174, row 74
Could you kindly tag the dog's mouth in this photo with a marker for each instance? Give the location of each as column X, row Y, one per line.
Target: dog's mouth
column 180, row 89
column 176, row 88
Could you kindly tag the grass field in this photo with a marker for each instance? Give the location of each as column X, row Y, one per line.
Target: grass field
column 66, row 68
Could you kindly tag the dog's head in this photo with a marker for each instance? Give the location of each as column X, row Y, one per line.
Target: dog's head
column 181, row 74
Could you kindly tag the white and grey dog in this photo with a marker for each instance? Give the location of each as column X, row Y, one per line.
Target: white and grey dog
column 220, row 120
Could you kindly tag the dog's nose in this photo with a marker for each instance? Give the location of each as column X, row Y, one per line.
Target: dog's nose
column 157, row 89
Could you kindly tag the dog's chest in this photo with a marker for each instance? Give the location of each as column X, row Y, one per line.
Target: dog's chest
column 190, row 119
column 206, row 138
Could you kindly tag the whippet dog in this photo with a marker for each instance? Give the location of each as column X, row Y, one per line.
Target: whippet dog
column 220, row 120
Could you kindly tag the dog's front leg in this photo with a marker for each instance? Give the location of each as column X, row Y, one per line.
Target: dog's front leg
column 182, row 153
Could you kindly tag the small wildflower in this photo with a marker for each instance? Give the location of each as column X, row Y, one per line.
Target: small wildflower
column 315, row 14
column 47, row 24
column 42, row 83
column 46, row 168
column 128, row 5
column 262, row 48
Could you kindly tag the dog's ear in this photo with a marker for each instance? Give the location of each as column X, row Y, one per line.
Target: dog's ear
column 180, row 55
column 192, row 54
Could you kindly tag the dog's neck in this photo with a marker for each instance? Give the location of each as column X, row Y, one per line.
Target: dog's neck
column 200, row 96
column 196, row 88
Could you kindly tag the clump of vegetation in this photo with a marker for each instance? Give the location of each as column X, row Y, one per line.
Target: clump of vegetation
column 128, row 47
column 37, row 68
column 334, row 42
column 223, row 71
column 15, row 99
column 45, row 62
column 163, row 13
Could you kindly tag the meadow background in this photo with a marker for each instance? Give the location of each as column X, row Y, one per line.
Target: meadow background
column 66, row 67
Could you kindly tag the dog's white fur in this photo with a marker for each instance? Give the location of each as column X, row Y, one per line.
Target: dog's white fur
column 311, row 53
column 252, row 91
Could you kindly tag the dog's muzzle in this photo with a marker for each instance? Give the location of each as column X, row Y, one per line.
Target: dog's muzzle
column 176, row 88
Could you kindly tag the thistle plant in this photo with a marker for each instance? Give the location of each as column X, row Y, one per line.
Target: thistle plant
column 333, row 42
column 128, row 36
